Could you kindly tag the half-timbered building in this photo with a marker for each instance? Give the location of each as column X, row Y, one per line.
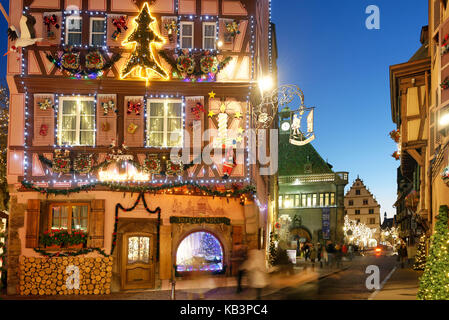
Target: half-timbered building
column 109, row 89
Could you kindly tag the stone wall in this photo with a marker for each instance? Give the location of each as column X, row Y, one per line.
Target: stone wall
column 44, row 276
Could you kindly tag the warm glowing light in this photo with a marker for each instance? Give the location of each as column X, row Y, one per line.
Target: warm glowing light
column 144, row 73
column 220, row 44
column 444, row 120
column 131, row 175
column 265, row 84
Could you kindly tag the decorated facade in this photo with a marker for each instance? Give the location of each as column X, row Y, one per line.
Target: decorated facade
column 113, row 104
column 362, row 207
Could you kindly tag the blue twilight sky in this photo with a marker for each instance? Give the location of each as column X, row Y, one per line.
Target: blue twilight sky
column 343, row 69
column 325, row 49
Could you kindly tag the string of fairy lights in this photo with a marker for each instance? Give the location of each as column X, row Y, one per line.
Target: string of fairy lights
column 80, row 179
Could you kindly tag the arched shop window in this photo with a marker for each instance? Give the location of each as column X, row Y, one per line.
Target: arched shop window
column 199, row 251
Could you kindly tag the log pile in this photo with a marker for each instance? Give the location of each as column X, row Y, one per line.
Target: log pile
column 44, row 276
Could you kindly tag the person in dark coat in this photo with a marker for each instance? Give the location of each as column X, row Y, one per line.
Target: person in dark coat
column 402, row 252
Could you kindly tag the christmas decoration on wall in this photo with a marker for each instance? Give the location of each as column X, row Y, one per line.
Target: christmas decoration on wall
column 46, row 104
column 43, row 131
column 94, row 60
column 200, row 220
column 357, row 233
column 132, row 128
column 83, row 163
column 229, row 163
column 152, row 164
column 105, row 126
column 396, row 155
column 27, row 35
column 411, row 200
column 69, row 63
column 134, row 107
column 142, row 39
column 119, row 23
column 194, row 66
column 108, row 105
column 445, row 175
column 172, row 30
column 222, row 139
column 119, row 206
column 50, row 21
column 395, row 135
column 420, row 257
column 70, row 253
column 434, row 283
column 233, row 28
column 197, row 109
column 174, row 168
column 61, row 161
column 445, row 45
column 445, row 84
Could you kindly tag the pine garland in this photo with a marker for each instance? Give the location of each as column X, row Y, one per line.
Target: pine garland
column 434, row 283
column 200, row 220
column 70, row 253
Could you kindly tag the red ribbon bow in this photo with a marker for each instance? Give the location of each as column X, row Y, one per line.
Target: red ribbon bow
column 44, row 129
column 52, row 20
column 120, row 23
column 197, row 109
column 134, row 107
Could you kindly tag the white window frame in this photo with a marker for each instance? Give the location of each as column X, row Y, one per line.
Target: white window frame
column 214, row 24
column 181, row 36
column 165, row 125
column 91, row 32
column 78, row 118
column 67, row 28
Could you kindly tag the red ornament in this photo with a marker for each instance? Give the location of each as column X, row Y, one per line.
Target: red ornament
column 277, row 225
column 134, row 107
column 197, row 109
column 44, row 130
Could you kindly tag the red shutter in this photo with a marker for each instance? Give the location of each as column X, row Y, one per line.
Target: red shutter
column 135, row 139
column 32, row 225
column 44, row 122
column 106, row 124
column 96, row 224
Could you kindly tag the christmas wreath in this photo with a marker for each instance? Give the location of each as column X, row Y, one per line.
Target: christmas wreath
column 83, row 163
column 209, row 64
column 152, row 165
column 61, row 165
column 70, row 60
column 174, row 168
column 185, row 64
column 94, row 60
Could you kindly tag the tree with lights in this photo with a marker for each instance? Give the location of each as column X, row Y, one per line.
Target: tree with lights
column 210, row 246
column 434, row 283
column 420, row 258
column 142, row 57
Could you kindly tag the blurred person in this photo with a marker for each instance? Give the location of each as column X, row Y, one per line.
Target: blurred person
column 256, row 270
column 350, row 251
column 344, row 249
column 313, row 254
column 338, row 255
column 402, row 253
column 242, row 253
column 319, row 251
column 325, row 256
column 307, row 251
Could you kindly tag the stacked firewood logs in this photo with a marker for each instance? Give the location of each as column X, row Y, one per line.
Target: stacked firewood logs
column 48, row 276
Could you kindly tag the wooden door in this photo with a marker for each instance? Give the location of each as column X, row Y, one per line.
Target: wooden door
column 138, row 254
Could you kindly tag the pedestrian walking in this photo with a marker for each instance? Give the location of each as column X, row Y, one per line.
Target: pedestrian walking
column 325, row 256
column 350, row 251
column 306, row 251
column 256, row 270
column 338, row 255
column 319, row 250
column 403, row 255
column 313, row 255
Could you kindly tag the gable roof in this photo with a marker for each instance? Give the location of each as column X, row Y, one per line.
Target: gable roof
column 293, row 158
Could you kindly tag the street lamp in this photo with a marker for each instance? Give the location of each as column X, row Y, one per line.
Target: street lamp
column 265, row 84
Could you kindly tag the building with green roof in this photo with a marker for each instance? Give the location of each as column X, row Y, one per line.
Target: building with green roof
column 310, row 192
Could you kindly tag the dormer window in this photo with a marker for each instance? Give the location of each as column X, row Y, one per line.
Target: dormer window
column 209, row 35
column 97, row 32
column 74, row 33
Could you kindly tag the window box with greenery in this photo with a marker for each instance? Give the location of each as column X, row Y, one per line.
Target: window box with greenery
column 76, row 240
column 54, row 239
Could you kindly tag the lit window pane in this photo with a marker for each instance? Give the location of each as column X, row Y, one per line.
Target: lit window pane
column 187, row 30
column 98, row 26
column 187, row 42
column 156, row 124
column 156, row 139
column 209, row 31
column 79, row 218
column 138, row 249
column 174, row 109
column 156, row 109
column 74, row 24
column 74, row 39
column 87, row 138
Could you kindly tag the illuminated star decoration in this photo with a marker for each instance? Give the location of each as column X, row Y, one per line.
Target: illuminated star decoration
column 211, row 114
column 212, row 94
column 142, row 38
column 238, row 115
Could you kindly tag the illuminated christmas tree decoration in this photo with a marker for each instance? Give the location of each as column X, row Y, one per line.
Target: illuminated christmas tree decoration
column 142, row 59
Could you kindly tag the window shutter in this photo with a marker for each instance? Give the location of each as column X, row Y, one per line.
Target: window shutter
column 96, row 224
column 32, row 225
column 191, row 120
column 237, row 235
column 106, row 124
column 135, row 139
column 44, row 122
column 173, row 40
column 224, row 35
column 444, row 62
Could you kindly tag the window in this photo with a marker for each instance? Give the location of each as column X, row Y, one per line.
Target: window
column 309, row 200
column 332, row 199
column 164, row 124
column 138, row 249
column 326, row 199
column 351, row 202
column 314, row 203
column 297, row 201
column 321, row 199
column 357, row 192
column 76, row 121
column 280, row 202
column 304, row 200
column 209, row 35
column 365, row 201
column 97, row 31
column 372, row 221
column 186, row 35
column 69, row 217
column 371, row 211
column 358, row 221
column 357, row 211
column 74, row 27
